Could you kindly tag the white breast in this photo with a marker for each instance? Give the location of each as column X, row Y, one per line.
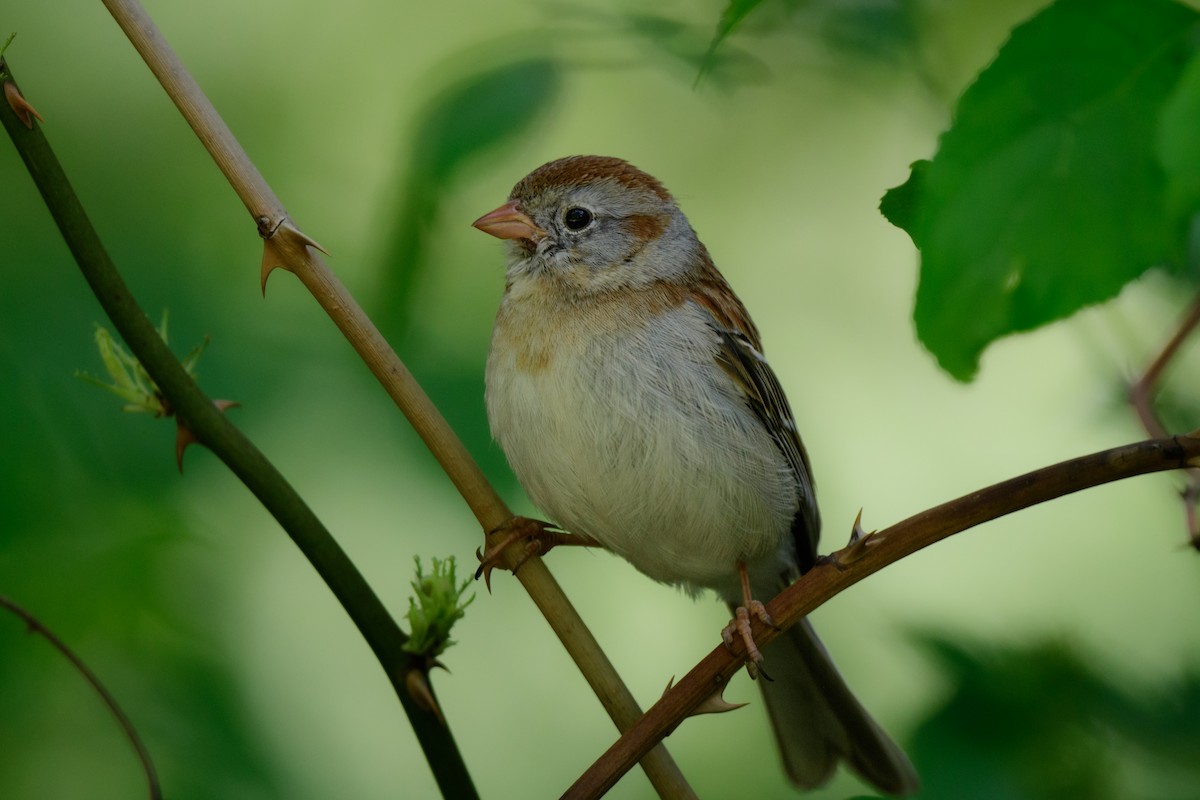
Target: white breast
column 634, row 436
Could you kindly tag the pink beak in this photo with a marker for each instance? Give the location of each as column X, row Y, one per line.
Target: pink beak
column 509, row 222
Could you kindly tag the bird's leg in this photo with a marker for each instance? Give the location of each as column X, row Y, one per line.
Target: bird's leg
column 538, row 539
column 739, row 626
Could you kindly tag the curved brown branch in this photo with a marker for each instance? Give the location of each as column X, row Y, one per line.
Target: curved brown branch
column 35, row 626
column 867, row 556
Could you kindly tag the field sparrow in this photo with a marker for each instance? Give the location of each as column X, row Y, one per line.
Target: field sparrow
column 627, row 386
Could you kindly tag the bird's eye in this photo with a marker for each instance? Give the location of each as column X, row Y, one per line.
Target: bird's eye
column 577, row 218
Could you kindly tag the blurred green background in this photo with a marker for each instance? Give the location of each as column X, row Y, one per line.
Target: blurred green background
column 1049, row 654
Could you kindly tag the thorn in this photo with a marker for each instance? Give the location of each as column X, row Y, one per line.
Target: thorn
column 417, row 684
column 185, row 437
column 856, row 548
column 716, row 703
column 856, row 531
column 291, row 230
column 272, row 260
column 273, row 255
column 21, row 106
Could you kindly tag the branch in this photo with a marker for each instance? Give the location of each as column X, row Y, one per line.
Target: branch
column 198, row 414
column 1142, row 388
column 288, row 248
column 866, row 555
column 1141, row 397
column 35, row 626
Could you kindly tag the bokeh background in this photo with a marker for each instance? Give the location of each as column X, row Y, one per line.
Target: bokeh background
column 1050, row 654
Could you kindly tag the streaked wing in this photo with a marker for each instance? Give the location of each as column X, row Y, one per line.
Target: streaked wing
column 750, row 371
column 740, row 356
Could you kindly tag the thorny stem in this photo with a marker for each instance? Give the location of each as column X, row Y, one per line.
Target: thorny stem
column 1141, row 397
column 1142, row 389
column 287, row 247
column 35, row 626
column 868, row 555
column 212, row 428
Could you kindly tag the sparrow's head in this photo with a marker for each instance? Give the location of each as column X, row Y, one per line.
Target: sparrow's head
column 595, row 224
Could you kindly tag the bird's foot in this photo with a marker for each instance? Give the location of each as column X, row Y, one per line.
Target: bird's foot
column 739, row 629
column 536, row 537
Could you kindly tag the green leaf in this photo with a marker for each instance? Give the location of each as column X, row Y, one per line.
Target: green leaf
column 128, row 379
column 1179, row 141
column 733, row 15
column 900, row 204
column 1048, row 193
column 478, row 114
column 481, row 112
column 1047, row 720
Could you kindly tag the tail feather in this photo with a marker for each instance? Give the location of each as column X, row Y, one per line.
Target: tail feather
column 818, row 721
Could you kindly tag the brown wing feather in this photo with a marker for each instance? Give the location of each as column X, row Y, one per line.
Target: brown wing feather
column 740, row 355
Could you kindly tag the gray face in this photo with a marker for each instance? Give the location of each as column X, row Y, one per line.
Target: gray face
column 602, row 235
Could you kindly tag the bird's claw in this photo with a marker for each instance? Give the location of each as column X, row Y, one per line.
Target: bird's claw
column 503, row 537
column 539, row 538
column 739, row 629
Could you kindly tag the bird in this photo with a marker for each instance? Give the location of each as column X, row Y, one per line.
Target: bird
column 627, row 386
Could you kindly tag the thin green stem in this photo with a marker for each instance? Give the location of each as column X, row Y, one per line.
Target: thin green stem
column 197, row 412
